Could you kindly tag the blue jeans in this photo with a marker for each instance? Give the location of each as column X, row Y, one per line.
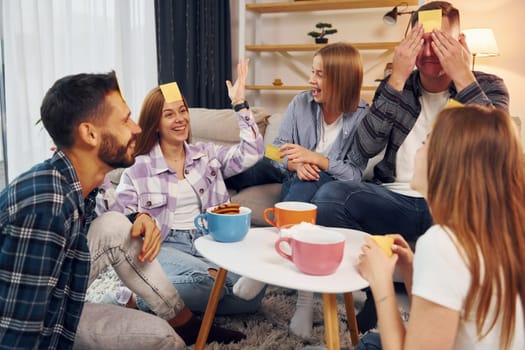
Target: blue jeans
column 263, row 172
column 371, row 208
column 370, row 341
column 188, row 271
column 297, row 190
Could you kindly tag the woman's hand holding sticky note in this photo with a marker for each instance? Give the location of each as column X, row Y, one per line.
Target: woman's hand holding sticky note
column 385, row 243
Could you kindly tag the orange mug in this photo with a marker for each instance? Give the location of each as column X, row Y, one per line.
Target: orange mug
column 290, row 213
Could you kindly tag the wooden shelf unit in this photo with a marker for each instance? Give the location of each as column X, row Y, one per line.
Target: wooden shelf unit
column 322, row 5
column 294, row 87
column 308, row 6
column 314, row 47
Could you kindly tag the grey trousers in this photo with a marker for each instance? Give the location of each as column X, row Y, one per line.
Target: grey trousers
column 110, row 243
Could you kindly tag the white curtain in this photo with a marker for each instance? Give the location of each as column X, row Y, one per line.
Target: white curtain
column 47, row 39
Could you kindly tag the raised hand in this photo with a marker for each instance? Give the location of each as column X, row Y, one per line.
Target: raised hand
column 405, row 55
column 236, row 91
column 454, row 57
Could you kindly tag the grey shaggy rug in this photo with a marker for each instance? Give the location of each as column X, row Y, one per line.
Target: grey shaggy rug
column 266, row 329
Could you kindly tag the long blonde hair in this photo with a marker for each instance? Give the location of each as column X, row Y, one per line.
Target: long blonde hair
column 343, row 72
column 476, row 188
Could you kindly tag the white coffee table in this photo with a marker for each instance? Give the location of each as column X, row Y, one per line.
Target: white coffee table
column 255, row 257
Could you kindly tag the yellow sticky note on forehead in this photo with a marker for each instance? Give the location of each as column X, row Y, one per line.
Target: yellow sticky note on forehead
column 430, row 19
column 272, row 152
column 171, row 92
column 120, row 90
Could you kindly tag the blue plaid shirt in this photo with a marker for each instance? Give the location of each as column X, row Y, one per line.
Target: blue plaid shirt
column 44, row 257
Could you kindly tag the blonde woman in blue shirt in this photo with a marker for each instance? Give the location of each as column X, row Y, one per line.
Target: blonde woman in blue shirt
column 315, row 142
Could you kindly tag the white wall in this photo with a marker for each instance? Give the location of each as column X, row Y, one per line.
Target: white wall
column 503, row 16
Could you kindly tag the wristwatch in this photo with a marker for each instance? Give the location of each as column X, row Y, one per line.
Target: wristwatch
column 240, row 106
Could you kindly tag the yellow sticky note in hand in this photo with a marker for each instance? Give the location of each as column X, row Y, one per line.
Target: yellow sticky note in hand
column 171, row 92
column 430, row 19
column 385, row 243
column 272, row 152
column 453, row 103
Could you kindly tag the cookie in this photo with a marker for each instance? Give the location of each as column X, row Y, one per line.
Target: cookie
column 228, row 208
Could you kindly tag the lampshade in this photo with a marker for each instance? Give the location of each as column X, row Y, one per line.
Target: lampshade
column 481, row 42
column 391, row 16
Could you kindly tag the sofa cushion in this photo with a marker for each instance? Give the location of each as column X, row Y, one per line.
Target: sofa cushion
column 220, row 126
column 104, row 326
column 272, row 129
column 258, row 198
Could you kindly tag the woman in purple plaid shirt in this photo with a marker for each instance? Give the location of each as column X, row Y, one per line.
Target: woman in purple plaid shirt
column 174, row 180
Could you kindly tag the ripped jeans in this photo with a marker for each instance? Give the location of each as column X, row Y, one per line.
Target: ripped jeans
column 110, row 243
column 188, row 271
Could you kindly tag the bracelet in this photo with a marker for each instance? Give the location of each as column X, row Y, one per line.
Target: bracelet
column 237, row 102
column 384, row 298
column 237, row 107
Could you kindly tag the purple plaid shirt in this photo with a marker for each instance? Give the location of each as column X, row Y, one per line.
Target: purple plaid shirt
column 144, row 186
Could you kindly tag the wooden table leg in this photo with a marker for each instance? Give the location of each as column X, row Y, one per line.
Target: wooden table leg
column 209, row 314
column 331, row 321
column 350, row 316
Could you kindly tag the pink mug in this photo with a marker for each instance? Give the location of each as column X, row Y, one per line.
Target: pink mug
column 316, row 252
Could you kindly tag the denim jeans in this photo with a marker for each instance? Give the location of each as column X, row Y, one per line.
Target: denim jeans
column 371, row 208
column 263, row 172
column 370, row 341
column 188, row 271
column 110, row 243
column 298, row 190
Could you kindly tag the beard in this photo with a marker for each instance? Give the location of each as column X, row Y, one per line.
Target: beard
column 114, row 154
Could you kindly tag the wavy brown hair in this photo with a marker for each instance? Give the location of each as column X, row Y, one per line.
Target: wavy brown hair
column 149, row 121
column 342, row 75
column 476, row 188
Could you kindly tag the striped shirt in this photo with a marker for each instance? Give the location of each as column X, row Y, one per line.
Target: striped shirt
column 393, row 114
column 145, row 186
column 44, row 258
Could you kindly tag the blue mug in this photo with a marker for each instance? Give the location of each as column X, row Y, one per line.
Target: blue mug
column 225, row 227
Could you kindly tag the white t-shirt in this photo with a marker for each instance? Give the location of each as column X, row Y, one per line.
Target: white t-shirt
column 328, row 135
column 187, row 206
column 431, row 104
column 441, row 276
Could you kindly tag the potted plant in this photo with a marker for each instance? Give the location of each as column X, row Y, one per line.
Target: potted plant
column 320, row 36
